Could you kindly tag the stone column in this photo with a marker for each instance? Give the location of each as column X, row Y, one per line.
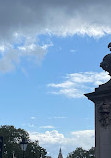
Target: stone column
column 102, row 100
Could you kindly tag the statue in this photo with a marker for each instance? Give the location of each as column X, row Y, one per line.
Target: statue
column 106, row 63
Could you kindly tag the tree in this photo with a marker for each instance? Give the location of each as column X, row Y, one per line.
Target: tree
column 34, row 150
column 81, row 153
column 12, row 138
column 92, row 152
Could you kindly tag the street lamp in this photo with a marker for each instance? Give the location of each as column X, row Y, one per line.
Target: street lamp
column 23, row 145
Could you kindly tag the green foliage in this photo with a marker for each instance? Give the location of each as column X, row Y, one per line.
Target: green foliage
column 34, row 150
column 81, row 153
column 12, row 138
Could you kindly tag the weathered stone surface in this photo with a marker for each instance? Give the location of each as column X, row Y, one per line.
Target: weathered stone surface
column 102, row 99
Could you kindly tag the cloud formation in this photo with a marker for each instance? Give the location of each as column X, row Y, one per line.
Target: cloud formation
column 77, row 84
column 28, row 19
column 57, row 17
column 27, row 47
column 53, row 140
column 47, row 127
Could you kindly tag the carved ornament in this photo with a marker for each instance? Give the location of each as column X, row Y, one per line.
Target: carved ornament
column 104, row 114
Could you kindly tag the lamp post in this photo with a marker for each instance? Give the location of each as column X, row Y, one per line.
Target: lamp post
column 23, row 145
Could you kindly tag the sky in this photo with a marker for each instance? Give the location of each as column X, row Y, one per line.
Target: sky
column 50, row 54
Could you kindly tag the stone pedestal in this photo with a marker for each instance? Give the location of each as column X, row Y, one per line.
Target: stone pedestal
column 102, row 99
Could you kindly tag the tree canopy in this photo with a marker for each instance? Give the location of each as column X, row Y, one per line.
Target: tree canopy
column 81, row 153
column 11, row 143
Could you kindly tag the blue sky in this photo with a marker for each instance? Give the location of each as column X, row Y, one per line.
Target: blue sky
column 47, row 63
column 28, row 102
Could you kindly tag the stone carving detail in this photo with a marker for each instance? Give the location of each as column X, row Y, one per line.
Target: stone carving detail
column 104, row 115
column 106, row 63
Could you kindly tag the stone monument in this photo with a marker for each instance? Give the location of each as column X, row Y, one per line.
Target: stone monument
column 102, row 100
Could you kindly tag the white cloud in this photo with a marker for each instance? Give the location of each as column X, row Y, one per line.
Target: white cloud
column 53, row 140
column 33, row 118
column 49, row 136
column 60, row 18
column 45, row 46
column 75, row 85
column 9, row 61
column 2, row 48
column 11, row 54
column 48, row 127
column 21, row 20
column 83, row 138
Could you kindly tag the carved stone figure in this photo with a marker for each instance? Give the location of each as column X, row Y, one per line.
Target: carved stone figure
column 104, row 115
column 106, row 63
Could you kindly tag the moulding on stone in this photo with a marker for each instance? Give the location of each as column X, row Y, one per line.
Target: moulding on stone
column 104, row 114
